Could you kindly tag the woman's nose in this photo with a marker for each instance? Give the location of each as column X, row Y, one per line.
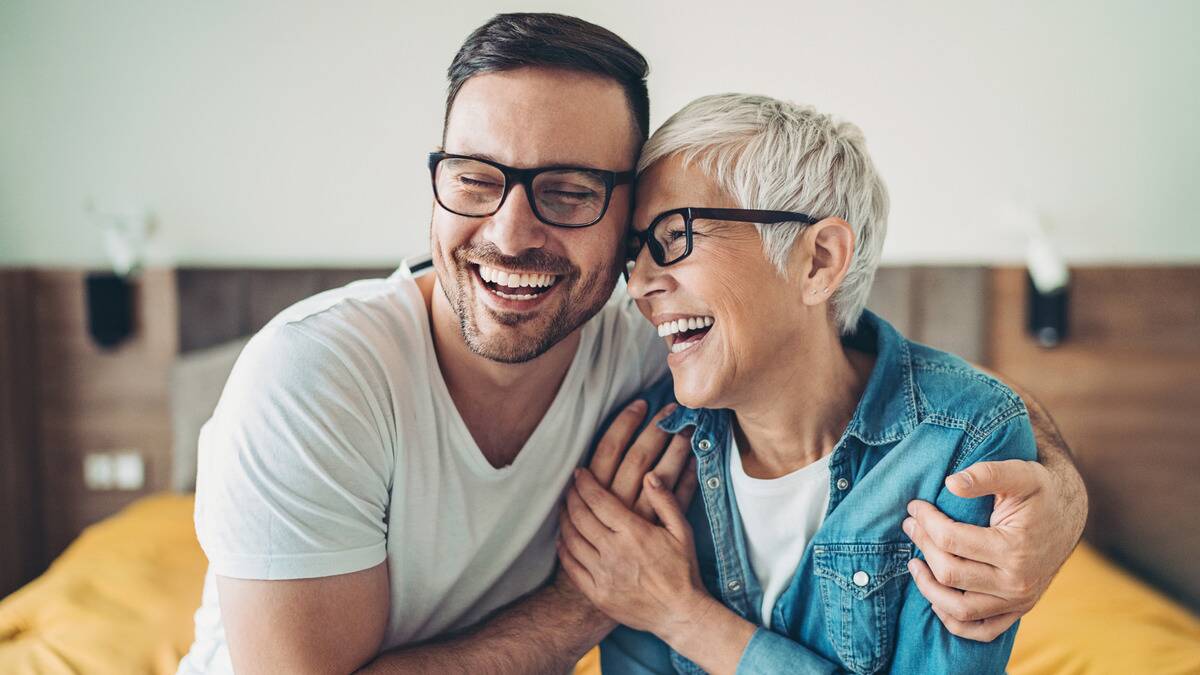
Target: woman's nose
column 646, row 278
column 514, row 228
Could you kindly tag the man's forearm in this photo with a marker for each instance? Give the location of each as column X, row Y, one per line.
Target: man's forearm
column 1055, row 455
column 545, row 632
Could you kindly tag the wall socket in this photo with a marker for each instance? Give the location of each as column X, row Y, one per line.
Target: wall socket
column 114, row 470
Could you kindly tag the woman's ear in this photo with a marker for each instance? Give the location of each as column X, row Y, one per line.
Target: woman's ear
column 830, row 245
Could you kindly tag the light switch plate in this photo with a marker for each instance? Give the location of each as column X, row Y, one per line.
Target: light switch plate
column 98, row 471
column 114, row 470
column 129, row 471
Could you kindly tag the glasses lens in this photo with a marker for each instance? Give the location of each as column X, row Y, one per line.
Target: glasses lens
column 670, row 236
column 469, row 187
column 570, row 197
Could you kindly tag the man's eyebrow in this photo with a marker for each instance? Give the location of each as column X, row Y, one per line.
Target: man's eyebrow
column 484, row 155
column 547, row 165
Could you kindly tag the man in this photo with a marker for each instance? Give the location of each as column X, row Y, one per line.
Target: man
column 380, row 482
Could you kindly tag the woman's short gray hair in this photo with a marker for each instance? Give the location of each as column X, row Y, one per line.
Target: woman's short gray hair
column 771, row 154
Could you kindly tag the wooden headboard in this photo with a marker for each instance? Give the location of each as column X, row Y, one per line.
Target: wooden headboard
column 221, row 304
column 942, row 306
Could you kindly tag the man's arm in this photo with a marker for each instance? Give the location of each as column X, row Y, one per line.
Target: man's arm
column 547, row 631
column 981, row 580
column 551, row 629
column 325, row 625
column 336, row 625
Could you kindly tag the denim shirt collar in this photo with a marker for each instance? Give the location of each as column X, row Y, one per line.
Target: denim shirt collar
column 886, row 413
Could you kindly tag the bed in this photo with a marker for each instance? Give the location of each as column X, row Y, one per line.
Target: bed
column 120, row 599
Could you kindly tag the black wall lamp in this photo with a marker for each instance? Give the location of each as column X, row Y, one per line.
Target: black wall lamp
column 111, row 296
column 1049, row 286
column 109, row 308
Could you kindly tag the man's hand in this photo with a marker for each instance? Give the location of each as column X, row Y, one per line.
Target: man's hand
column 647, row 576
column 620, row 464
column 643, row 575
column 980, row 580
column 621, row 470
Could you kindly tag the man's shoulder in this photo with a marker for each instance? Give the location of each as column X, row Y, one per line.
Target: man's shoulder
column 355, row 303
column 367, row 332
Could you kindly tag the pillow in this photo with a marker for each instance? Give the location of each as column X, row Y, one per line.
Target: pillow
column 197, row 379
column 1097, row 618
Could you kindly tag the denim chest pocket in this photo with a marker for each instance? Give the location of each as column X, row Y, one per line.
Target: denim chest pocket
column 861, row 588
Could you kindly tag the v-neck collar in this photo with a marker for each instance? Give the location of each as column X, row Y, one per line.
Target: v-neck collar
column 469, row 449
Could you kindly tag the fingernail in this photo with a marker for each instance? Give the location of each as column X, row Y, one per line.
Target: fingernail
column 907, row 526
column 962, row 477
column 576, row 473
column 655, row 481
column 911, row 509
column 912, row 566
column 669, row 408
column 638, row 405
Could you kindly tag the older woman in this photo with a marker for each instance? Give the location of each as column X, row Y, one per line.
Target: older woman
column 813, row 422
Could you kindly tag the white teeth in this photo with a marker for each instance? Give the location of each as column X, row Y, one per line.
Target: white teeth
column 682, row 346
column 514, row 279
column 515, row 297
column 681, row 325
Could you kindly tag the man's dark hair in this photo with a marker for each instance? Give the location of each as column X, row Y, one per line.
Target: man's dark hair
column 510, row 41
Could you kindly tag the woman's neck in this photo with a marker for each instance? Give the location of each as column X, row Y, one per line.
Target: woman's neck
column 797, row 414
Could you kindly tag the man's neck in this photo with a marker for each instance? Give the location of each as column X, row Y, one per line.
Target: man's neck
column 501, row 403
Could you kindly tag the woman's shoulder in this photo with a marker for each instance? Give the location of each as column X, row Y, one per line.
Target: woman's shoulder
column 950, row 390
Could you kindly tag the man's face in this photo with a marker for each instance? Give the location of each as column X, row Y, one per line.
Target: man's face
column 527, row 118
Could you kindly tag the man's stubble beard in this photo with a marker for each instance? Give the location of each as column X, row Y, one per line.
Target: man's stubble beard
column 571, row 313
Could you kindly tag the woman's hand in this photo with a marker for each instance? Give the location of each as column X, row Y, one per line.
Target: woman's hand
column 643, row 575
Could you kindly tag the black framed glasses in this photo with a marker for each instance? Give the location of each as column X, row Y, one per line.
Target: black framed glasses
column 563, row 196
column 669, row 236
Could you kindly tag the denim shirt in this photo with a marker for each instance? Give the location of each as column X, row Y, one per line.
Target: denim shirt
column 852, row 606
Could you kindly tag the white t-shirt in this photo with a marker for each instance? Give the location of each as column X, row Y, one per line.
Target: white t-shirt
column 780, row 516
column 336, row 445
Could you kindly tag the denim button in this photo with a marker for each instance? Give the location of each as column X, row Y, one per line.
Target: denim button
column 713, row 483
column 861, row 578
column 735, row 585
column 842, row 483
column 704, row 444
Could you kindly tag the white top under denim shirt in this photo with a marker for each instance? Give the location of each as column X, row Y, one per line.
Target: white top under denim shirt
column 851, row 605
column 779, row 515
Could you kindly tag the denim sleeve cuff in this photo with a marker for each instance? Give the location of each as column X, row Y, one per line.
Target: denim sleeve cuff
column 769, row 653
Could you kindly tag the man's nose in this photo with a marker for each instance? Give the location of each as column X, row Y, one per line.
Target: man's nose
column 514, row 229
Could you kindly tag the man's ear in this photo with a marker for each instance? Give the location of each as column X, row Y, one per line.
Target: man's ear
column 829, row 246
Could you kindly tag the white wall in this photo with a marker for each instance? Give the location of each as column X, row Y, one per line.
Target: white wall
column 295, row 133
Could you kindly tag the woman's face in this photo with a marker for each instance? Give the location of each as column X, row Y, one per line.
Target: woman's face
column 754, row 314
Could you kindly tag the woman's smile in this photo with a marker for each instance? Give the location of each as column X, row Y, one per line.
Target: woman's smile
column 683, row 332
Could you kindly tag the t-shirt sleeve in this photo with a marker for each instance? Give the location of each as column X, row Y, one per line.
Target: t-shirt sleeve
column 295, row 464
